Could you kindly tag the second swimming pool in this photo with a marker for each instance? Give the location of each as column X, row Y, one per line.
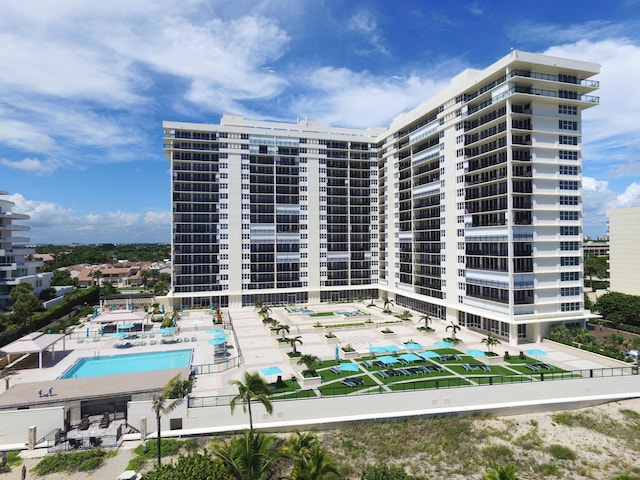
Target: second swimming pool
column 132, row 363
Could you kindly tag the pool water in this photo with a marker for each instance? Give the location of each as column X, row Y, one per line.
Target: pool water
column 132, row 363
column 305, row 311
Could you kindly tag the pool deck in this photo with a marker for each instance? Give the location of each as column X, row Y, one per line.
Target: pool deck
column 259, row 349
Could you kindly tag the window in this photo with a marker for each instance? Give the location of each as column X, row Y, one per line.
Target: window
column 568, row 155
column 567, row 140
column 570, row 306
column 569, row 261
column 567, row 125
column 568, row 185
column 569, row 276
column 567, row 110
column 570, row 291
column 566, row 200
column 569, row 215
column 568, row 170
column 569, row 246
column 569, row 231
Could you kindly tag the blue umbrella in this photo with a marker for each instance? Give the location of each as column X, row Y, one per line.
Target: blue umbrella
column 162, row 308
column 443, row 344
column 349, row 367
column 214, row 330
column 271, row 371
column 221, row 335
column 337, row 354
column 413, row 346
column 119, row 335
column 166, row 330
column 377, row 349
column 392, row 348
column 126, row 326
column 217, row 341
column 476, row 353
column 95, row 312
column 429, row 354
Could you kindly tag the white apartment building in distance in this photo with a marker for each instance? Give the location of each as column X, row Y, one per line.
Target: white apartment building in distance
column 624, row 262
column 16, row 262
column 467, row 208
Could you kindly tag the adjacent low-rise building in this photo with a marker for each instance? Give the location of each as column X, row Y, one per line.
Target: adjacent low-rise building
column 17, row 263
column 624, row 261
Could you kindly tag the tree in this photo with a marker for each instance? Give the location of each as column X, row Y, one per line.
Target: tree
column 160, row 288
column 24, row 302
column 595, row 266
column 164, row 403
column 96, row 275
column 314, row 465
column 310, row 361
column 502, row 472
column 61, row 277
column 427, row 320
column 619, row 307
column 388, row 302
column 145, row 274
column 251, row 387
column 250, row 456
column 490, row 341
column 264, row 312
column 283, row 329
column 293, row 341
column 455, row 328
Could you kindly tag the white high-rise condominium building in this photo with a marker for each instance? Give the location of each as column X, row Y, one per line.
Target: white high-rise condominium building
column 467, row 208
column 16, row 264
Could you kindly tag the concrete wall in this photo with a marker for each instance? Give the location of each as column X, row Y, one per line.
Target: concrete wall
column 334, row 411
column 15, row 423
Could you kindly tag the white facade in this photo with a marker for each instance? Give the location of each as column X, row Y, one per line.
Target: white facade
column 467, row 207
column 624, row 262
column 15, row 264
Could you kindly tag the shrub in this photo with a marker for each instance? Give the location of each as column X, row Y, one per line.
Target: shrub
column 72, row 462
column 560, row 452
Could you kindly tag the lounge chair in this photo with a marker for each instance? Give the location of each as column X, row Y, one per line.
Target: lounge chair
column 382, row 374
column 345, row 381
column 105, row 420
column 84, row 423
column 185, row 339
column 152, row 342
column 522, row 356
column 80, row 340
column 95, row 441
column 367, row 364
column 405, row 371
column 335, row 370
column 194, row 339
column 75, row 443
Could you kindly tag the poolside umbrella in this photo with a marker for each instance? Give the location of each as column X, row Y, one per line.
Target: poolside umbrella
column 388, row 360
column 392, row 348
column 217, row 341
column 443, row 344
column 221, row 335
column 166, row 330
column 337, row 353
column 410, row 357
column 95, row 312
column 535, row 352
column 413, row 346
column 476, row 353
column 214, row 330
column 126, row 326
column 162, row 308
column 119, row 335
column 270, row 371
column 349, row 367
column 377, row 349
column 429, row 354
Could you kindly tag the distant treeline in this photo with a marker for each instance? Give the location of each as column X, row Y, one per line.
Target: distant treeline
column 66, row 255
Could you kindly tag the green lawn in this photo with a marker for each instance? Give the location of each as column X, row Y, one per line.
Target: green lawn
column 423, row 384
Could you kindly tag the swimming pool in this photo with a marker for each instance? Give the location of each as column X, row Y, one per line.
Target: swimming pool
column 132, row 363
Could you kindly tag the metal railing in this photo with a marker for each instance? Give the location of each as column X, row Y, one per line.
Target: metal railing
column 426, row 383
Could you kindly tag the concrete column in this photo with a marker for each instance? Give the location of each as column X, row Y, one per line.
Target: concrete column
column 31, row 438
column 143, row 428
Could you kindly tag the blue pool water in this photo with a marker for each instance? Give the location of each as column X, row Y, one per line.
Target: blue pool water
column 350, row 314
column 306, row 311
column 133, row 363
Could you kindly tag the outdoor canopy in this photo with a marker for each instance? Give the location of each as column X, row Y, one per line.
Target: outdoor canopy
column 36, row 342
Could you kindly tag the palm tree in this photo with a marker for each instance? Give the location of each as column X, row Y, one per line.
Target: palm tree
column 251, row 387
column 163, row 403
column 388, row 302
column 258, row 304
column 314, row 466
column 309, row 361
column 502, row 472
column 490, row 342
column 96, row 275
column 455, row 328
column 282, row 328
column 250, row 456
column 293, row 342
column 145, row 274
column 427, row 320
column 264, row 312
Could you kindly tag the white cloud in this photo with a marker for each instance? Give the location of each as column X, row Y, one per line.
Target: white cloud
column 365, row 23
column 597, row 198
column 348, row 98
column 52, row 223
column 30, row 165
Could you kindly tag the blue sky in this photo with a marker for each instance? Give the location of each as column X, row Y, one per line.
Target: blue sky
column 86, row 85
